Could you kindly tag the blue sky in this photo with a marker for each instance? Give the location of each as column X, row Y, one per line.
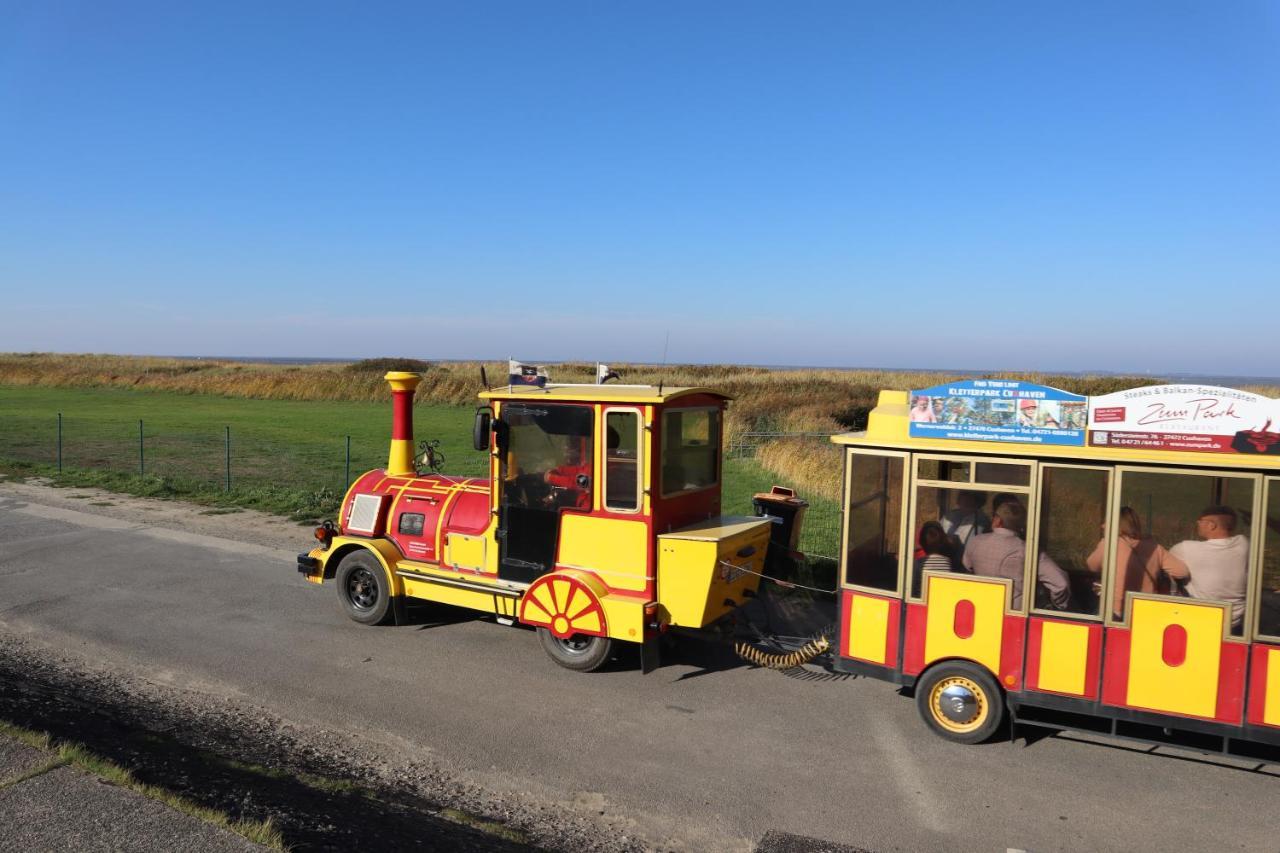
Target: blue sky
column 1018, row 186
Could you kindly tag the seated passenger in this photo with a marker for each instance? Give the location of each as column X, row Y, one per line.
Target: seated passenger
column 966, row 520
column 1218, row 562
column 1142, row 564
column 933, row 554
column 1001, row 553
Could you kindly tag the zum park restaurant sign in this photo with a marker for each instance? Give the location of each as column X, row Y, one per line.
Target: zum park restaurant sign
column 1190, row 417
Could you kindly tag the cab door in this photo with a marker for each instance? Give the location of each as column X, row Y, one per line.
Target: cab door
column 546, row 472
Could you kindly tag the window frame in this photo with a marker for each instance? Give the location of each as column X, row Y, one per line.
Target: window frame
column 1255, row 552
column 1031, row 491
column 640, row 460
column 1108, row 557
column 716, row 412
column 1254, row 613
column 905, row 460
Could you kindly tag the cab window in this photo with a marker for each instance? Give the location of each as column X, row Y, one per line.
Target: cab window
column 690, row 449
column 1184, row 535
column 549, row 461
column 622, row 461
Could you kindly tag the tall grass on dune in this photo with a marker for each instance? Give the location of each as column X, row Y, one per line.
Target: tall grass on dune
column 764, row 400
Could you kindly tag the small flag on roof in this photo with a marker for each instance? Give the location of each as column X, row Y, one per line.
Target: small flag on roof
column 519, row 373
column 604, row 374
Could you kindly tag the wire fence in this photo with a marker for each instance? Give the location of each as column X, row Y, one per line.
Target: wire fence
column 190, row 455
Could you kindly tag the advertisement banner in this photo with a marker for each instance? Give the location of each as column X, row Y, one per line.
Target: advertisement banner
column 998, row 410
column 1203, row 418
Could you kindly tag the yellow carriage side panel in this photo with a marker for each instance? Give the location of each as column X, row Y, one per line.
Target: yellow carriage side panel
column 965, row 620
column 707, row 564
column 1188, row 685
column 869, row 629
column 1271, row 702
column 1064, row 657
column 616, row 549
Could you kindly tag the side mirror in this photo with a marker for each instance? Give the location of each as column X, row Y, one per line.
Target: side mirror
column 482, row 429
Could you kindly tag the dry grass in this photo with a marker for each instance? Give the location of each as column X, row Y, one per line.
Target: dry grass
column 814, row 400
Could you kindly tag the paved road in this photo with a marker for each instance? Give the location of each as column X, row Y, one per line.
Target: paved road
column 726, row 752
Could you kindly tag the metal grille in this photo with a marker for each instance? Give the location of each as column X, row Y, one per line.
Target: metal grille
column 364, row 513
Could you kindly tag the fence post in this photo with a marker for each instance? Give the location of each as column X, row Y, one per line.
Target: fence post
column 346, row 480
column 228, row 458
column 142, row 455
column 59, row 442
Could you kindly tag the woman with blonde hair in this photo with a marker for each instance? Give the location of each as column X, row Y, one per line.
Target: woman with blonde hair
column 1142, row 564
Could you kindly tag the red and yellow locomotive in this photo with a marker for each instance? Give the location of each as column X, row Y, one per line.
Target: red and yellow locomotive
column 599, row 523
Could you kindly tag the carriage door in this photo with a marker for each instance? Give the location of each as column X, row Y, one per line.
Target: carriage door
column 547, row 472
column 1176, row 641
column 1064, row 636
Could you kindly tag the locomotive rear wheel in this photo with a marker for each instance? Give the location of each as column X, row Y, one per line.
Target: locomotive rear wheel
column 960, row 701
column 580, row 652
column 363, row 589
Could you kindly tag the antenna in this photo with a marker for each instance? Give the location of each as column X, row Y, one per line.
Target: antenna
column 661, row 378
column 484, row 378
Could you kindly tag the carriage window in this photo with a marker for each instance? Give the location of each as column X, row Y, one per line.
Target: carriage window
column 1002, row 474
column 622, row 461
column 982, row 530
column 1186, row 535
column 690, row 447
column 942, row 469
column 990, row 473
column 1269, row 593
column 1073, row 511
column 875, row 520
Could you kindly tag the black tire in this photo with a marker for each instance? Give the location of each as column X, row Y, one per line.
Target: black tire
column 960, row 701
column 363, row 589
column 580, row 652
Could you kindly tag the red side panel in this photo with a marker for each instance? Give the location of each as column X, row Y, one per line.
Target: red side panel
column 913, row 652
column 1011, row 646
column 1115, row 670
column 1235, row 660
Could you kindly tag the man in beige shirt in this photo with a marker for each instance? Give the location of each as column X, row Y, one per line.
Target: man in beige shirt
column 1002, row 554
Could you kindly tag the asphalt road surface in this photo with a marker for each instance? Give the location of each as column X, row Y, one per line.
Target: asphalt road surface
column 704, row 753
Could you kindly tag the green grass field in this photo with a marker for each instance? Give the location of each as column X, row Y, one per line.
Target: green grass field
column 287, row 457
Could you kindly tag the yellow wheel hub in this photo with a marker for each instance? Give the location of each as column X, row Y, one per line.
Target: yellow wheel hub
column 959, row 704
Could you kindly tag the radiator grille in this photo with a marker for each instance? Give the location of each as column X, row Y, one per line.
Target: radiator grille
column 364, row 513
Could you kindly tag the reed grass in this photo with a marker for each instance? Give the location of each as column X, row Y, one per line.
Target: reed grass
column 764, row 400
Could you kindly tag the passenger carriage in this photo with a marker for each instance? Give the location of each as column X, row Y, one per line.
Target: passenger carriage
column 1157, row 665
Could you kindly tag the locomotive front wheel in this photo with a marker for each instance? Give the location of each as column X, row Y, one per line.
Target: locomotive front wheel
column 581, row 653
column 960, row 701
column 363, row 589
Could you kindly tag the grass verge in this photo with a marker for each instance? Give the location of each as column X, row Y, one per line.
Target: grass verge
column 72, row 754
